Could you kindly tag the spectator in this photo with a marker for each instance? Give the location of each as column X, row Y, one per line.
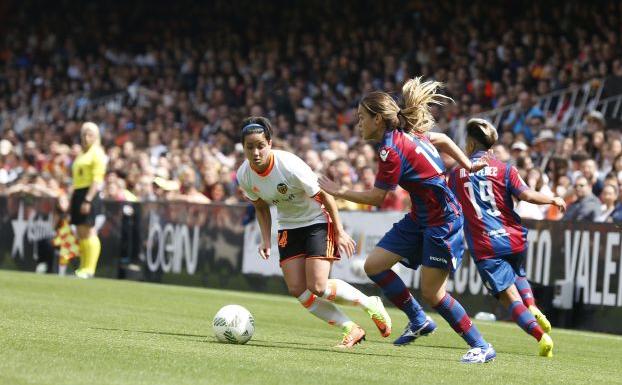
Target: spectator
column 524, row 121
column 587, row 207
column 609, row 197
column 590, row 172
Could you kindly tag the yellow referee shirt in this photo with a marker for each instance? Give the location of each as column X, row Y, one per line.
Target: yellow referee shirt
column 89, row 167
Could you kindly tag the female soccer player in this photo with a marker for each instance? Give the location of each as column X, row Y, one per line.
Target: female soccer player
column 88, row 171
column 429, row 236
column 494, row 233
column 310, row 232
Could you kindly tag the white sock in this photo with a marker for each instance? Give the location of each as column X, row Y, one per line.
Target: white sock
column 343, row 293
column 62, row 269
column 323, row 309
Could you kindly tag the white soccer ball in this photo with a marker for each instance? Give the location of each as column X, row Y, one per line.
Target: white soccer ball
column 233, row 324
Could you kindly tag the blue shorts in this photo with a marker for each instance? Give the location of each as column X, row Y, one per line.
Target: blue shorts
column 499, row 273
column 441, row 247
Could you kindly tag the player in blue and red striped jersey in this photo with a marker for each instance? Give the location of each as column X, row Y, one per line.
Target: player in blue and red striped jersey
column 494, row 233
column 429, row 236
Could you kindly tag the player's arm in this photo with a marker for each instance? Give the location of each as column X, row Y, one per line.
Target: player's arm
column 521, row 190
column 538, row 198
column 373, row 197
column 343, row 239
column 264, row 218
column 448, row 146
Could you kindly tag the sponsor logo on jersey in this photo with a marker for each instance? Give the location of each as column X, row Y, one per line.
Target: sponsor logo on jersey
column 438, row 259
column 282, row 188
column 384, row 153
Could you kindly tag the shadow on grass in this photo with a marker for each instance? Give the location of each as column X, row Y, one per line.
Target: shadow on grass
column 310, row 346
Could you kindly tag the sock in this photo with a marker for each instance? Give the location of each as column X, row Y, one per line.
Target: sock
column 456, row 316
column 324, row 310
column 525, row 291
column 62, row 269
column 83, row 246
column 396, row 291
column 93, row 250
column 341, row 292
column 523, row 318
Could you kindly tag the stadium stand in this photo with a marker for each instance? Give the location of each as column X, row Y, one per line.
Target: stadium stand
column 168, row 85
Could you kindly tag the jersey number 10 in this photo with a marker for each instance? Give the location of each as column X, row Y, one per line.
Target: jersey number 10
column 486, row 195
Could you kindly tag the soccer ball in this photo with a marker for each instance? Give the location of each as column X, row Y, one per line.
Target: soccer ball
column 233, row 324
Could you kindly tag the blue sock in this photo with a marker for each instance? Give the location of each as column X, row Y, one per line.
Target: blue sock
column 524, row 289
column 523, row 317
column 396, row 291
column 456, row 316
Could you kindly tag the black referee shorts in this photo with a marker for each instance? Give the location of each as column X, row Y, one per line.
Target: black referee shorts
column 77, row 198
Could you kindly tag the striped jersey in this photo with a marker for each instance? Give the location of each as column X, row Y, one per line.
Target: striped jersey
column 290, row 185
column 491, row 225
column 411, row 161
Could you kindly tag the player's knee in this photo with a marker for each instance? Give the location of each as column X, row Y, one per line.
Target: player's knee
column 296, row 291
column 431, row 297
column 370, row 267
column 317, row 288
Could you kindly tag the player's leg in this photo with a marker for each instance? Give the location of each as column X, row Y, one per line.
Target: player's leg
column 295, row 279
column 322, row 251
column 443, row 248
column 524, row 289
column 292, row 252
column 400, row 244
column 511, row 300
column 433, row 283
column 316, row 272
column 90, row 247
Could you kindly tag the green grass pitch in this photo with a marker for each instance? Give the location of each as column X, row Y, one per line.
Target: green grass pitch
column 57, row 330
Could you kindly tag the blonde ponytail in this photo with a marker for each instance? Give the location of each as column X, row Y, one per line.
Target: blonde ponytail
column 418, row 96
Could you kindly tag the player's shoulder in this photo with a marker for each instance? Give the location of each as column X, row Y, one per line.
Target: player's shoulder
column 243, row 170
column 287, row 161
column 286, row 155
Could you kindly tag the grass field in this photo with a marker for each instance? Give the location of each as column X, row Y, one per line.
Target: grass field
column 66, row 331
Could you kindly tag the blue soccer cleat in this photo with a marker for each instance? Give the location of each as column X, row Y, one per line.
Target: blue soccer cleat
column 411, row 332
column 479, row 355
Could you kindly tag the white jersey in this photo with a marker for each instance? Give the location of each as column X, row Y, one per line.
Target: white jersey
column 290, row 185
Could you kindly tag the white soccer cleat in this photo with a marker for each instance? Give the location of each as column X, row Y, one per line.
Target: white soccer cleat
column 479, row 355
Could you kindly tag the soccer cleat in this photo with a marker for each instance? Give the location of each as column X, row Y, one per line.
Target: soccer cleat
column 541, row 318
column 380, row 316
column 80, row 273
column 411, row 333
column 351, row 336
column 479, row 355
column 546, row 346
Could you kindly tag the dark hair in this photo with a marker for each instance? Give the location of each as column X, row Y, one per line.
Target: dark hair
column 482, row 132
column 256, row 125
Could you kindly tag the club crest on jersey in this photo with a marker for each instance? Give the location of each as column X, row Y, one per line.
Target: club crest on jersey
column 384, row 153
column 281, row 187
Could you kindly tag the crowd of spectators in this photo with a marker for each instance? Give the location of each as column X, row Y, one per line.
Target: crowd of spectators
column 169, row 83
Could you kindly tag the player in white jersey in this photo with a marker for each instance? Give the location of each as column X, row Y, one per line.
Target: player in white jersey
column 310, row 232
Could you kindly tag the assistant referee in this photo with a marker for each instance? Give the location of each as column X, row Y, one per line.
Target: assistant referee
column 88, row 171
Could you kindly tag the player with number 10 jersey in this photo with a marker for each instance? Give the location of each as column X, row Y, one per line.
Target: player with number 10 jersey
column 429, row 236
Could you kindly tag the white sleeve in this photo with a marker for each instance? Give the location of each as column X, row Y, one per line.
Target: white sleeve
column 244, row 185
column 304, row 175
